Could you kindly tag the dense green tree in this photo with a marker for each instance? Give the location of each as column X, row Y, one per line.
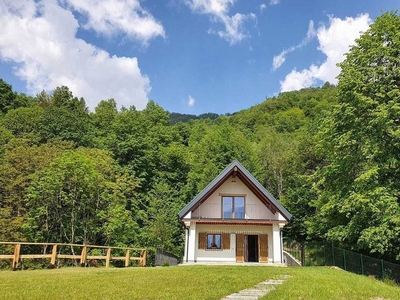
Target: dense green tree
column 105, row 113
column 278, row 157
column 359, row 196
column 62, row 123
column 63, row 97
column 162, row 228
column 5, row 137
column 23, row 122
column 213, row 148
column 74, row 198
column 7, row 97
column 21, row 159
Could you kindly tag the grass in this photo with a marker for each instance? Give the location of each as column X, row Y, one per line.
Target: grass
column 189, row 282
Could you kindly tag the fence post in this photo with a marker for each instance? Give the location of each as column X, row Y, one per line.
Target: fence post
column 53, row 255
column 344, row 259
column 83, row 256
column 142, row 262
column 333, row 255
column 108, row 257
column 127, row 258
column 362, row 265
column 383, row 269
column 17, row 249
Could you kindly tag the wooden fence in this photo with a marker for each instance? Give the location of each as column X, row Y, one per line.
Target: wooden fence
column 83, row 256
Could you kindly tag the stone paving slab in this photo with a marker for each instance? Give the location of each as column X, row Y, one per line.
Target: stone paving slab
column 257, row 291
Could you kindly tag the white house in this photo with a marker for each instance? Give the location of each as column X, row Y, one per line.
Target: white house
column 234, row 219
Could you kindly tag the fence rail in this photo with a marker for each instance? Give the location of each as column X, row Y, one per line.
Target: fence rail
column 83, row 255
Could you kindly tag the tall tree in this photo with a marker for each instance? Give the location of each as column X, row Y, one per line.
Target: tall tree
column 21, row 159
column 359, row 188
column 7, row 97
column 77, row 196
column 64, row 117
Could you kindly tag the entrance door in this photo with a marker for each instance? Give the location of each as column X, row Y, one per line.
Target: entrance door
column 252, row 248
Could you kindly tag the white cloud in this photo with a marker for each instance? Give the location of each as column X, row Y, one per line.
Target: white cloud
column 273, row 2
column 263, row 6
column 279, row 59
column 112, row 17
column 191, row 101
column 334, row 42
column 297, row 80
column 234, row 30
column 40, row 38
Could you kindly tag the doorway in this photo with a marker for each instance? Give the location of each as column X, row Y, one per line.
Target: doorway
column 251, row 248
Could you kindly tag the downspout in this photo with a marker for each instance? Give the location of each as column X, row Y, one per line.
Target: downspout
column 280, row 235
column 187, row 244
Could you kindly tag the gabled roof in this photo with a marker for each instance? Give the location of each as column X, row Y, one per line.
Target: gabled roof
column 248, row 179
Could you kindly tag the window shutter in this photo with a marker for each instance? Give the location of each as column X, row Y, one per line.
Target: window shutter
column 202, row 240
column 226, row 241
column 239, row 248
column 263, row 240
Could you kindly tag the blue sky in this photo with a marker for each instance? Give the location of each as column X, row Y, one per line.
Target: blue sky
column 190, row 56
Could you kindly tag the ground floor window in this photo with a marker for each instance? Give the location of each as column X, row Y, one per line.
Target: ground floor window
column 213, row 241
column 210, row 241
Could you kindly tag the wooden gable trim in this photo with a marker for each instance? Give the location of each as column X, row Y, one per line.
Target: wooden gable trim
column 237, row 173
column 236, row 169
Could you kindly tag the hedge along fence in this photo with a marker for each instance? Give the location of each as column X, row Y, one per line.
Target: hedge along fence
column 74, row 252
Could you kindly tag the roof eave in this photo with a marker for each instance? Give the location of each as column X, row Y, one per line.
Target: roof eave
column 221, row 176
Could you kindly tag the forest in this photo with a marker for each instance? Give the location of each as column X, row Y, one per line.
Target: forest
column 119, row 177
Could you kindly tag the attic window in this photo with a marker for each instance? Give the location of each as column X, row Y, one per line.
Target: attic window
column 233, row 207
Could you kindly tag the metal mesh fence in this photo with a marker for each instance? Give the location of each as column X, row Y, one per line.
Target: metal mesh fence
column 325, row 254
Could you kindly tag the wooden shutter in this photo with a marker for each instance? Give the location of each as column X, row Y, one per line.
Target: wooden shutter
column 226, row 241
column 263, row 244
column 202, row 240
column 239, row 248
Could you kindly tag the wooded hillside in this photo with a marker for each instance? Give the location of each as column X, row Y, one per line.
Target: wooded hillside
column 119, row 177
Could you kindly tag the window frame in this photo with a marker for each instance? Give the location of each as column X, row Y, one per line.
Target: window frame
column 214, row 241
column 233, row 209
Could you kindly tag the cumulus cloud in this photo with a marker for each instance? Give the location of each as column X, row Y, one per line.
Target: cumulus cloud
column 334, row 42
column 218, row 10
column 279, row 59
column 191, row 101
column 263, row 6
column 39, row 37
column 273, row 2
column 112, row 17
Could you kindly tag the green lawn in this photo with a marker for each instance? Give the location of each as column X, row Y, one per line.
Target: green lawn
column 189, row 282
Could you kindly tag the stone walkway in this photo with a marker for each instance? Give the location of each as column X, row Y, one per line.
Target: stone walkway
column 258, row 290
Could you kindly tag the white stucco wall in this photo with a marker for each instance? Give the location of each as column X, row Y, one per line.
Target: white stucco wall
column 254, row 208
column 277, row 255
column 202, row 255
